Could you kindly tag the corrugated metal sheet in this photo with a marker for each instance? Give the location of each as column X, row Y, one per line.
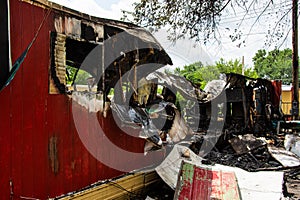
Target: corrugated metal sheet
column 196, row 183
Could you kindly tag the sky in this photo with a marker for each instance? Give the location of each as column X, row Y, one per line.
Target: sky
column 186, row 51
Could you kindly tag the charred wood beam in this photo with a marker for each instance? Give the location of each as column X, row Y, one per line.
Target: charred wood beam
column 295, row 103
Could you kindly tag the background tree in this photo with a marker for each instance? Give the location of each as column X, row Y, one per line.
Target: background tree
column 81, row 77
column 200, row 20
column 234, row 66
column 192, row 72
column 276, row 64
column 199, row 74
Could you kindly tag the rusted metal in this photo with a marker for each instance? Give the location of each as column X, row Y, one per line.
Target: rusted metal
column 53, row 154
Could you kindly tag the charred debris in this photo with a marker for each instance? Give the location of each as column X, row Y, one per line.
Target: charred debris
column 236, row 122
column 241, row 106
column 230, row 113
column 124, row 81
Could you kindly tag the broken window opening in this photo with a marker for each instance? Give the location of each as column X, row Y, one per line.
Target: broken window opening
column 67, row 56
column 69, row 76
column 79, row 80
column 95, row 81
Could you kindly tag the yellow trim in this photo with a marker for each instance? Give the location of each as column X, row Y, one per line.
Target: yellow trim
column 286, row 102
column 116, row 189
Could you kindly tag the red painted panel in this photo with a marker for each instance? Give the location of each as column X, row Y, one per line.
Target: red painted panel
column 58, row 128
column 29, row 150
column 197, row 183
column 15, row 113
column 16, row 134
column 40, row 139
column 67, row 150
column 54, row 146
column 93, row 122
column 5, row 143
column 28, row 92
column 84, row 155
column 77, row 150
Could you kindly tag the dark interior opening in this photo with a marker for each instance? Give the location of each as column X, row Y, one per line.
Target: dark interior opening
column 4, row 50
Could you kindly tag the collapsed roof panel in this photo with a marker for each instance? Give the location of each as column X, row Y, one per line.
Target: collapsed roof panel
column 180, row 84
column 95, row 47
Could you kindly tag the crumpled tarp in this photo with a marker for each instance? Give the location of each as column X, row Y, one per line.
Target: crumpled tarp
column 136, row 117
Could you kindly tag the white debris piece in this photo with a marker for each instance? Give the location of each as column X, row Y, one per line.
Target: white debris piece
column 292, row 143
column 92, row 102
column 285, row 157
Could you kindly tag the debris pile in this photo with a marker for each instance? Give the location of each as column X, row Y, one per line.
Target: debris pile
column 234, row 125
column 246, row 131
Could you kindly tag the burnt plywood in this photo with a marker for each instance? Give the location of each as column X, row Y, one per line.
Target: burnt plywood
column 59, row 63
column 203, row 183
column 245, row 143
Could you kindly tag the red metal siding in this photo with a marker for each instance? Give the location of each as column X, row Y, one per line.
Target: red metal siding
column 5, row 141
column 32, row 121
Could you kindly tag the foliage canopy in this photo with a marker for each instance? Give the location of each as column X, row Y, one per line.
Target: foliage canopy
column 81, row 76
column 199, row 74
column 274, row 65
column 200, row 20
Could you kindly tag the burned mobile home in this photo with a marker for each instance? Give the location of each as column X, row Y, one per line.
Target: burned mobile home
column 67, row 77
column 242, row 104
column 245, row 104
